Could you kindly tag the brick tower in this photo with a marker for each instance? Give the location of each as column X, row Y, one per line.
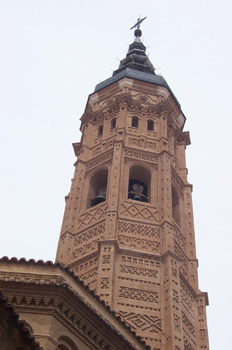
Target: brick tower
column 128, row 229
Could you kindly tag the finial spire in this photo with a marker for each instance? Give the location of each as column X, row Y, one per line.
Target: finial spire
column 138, row 31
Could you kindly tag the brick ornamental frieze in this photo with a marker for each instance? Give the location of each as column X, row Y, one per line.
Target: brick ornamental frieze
column 141, row 155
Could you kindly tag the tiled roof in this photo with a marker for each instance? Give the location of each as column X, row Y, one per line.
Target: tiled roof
column 81, row 283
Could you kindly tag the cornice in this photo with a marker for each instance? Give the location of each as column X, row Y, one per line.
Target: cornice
column 183, row 138
column 197, row 294
column 78, row 289
column 22, row 327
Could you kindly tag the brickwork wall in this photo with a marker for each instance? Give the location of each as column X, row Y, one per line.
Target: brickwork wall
column 138, row 256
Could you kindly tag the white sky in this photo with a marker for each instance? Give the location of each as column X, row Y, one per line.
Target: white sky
column 53, row 53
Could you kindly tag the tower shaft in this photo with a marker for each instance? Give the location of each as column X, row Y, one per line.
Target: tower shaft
column 128, row 227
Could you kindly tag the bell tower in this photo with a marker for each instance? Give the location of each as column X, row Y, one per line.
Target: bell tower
column 128, row 229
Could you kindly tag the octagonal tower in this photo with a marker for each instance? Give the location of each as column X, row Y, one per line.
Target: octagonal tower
column 128, row 228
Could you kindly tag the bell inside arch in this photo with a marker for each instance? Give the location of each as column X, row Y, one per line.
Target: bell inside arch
column 101, row 196
column 137, row 191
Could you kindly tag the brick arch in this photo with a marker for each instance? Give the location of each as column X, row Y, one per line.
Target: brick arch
column 113, row 122
column 65, row 343
column 132, row 118
column 151, row 180
column 140, row 175
column 97, row 184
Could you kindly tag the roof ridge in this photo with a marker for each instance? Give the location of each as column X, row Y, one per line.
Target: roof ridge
column 81, row 283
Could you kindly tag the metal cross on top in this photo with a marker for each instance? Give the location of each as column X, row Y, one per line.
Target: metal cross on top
column 139, row 21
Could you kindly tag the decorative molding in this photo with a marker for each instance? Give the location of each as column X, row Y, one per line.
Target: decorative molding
column 141, row 322
column 137, row 294
column 99, row 160
column 130, row 153
column 130, row 209
column 188, row 345
column 186, row 298
column 105, row 282
column 89, row 274
column 188, row 324
column 184, row 260
column 89, row 235
column 86, row 249
column 92, row 216
column 138, row 271
column 85, row 265
column 142, row 307
column 69, row 309
column 175, row 296
column 180, row 238
column 136, row 280
column 62, row 308
column 140, row 261
column 177, row 180
column 128, row 227
column 138, row 243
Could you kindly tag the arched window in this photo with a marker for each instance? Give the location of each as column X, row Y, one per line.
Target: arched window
column 113, row 124
column 175, row 206
column 100, row 131
column 97, row 188
column 135, row 122
column 62, row 347
column 65, row 343
column 139, row 184
column 150, row 125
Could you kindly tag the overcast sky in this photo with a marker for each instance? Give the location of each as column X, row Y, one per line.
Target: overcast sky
column 53, row 53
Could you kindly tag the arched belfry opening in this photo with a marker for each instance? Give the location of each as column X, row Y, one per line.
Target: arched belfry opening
column 176, row 206
column 135, row 122
column 100, row 131
column 150, row 125
column 97, row 188
column 113, row 123
column 139, row 184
